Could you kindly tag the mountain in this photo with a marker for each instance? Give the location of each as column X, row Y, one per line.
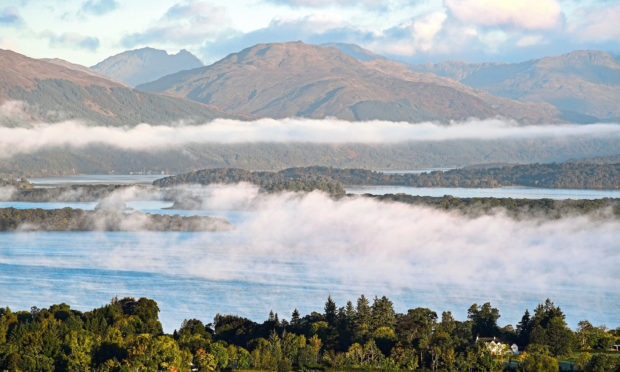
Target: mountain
column 52, row 92
column 355, row 51
column 585, row 84
column 295, row 79
column 139, row 66
column 75, row 66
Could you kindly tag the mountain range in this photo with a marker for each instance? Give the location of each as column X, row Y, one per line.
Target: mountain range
column 584, row 85
column 296, row 79
column 56, row 90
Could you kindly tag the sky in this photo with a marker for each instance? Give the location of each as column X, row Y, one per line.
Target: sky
column 88, row 31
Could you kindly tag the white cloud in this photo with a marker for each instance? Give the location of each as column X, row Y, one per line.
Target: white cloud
column 530, row 40
column 71, row 40
column 9, row 44
column 325, row 3
column 185, row 23
column 529, row 14
column 145, row 136
column 416, row 35
column 597, row 24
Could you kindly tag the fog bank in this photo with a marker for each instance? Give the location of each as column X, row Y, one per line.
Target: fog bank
column 16, row 140
column 314, row 245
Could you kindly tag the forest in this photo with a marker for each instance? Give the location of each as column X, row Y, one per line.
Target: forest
column 553, row 175
column 70, row 219
column 268, row 181
column 126, row 335
column 516, row 208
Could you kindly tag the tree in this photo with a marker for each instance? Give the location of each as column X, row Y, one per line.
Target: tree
column 524, row 328
column 535, row 362
column 484, row 320
column 382, row 313
column 363, row 320
column 295, row 318
column 330, row 311
column 550, row 329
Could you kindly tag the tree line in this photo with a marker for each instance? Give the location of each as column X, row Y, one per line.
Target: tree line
column 126, row 335
column 70, row 219
column 268, row 181
column 553, row 175
column 516, row 208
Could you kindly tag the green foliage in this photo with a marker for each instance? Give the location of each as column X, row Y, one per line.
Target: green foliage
column 69, row 219
column 536, row 362
column 554, row 175
column 126, row 335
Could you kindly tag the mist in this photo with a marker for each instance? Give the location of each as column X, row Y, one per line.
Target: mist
column 16, row 140
column 299, row 248
column 7, row 192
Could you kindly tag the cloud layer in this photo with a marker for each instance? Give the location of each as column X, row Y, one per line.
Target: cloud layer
column 144, row 136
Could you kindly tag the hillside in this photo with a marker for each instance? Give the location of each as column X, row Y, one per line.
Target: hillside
column 411, row 155
column 52, row 91
column 147, row 64
column 75, row 66
column 295, row 79
column 585, row 85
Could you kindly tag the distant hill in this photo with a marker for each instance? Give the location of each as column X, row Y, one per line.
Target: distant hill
column 140, row 66
column 55, row 91
column 97, row 159
column 295, row 79
column 585, row 84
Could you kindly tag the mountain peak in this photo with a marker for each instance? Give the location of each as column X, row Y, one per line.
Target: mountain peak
column 145, row 64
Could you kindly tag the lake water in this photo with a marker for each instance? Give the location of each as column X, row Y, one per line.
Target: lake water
column 184, row 273
column 97, row 179
column 499, row 192
column 293, row 251
column 413, row 171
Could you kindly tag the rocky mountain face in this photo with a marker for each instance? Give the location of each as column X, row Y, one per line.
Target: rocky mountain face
column 140, row 66
column 584, row 85
column 296, row 79
column 51, row 91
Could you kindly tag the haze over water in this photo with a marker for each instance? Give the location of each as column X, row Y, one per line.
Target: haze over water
column 291, row 251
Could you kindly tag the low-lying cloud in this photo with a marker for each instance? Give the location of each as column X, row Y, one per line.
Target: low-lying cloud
column 16, row 140
column 301, row 247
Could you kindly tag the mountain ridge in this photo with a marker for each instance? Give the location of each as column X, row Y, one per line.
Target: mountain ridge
column 52, row 92
column 585, row 83
column 280, row 80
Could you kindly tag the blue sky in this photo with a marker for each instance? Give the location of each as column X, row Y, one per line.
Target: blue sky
column 87, row 31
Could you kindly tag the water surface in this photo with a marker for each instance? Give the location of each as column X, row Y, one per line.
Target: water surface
column 499, row 192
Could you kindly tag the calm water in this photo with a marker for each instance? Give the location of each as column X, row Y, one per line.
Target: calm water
column 500, row 192
column 97, row 179
column 413, row 171
column 292, row 252
column 88, row 269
